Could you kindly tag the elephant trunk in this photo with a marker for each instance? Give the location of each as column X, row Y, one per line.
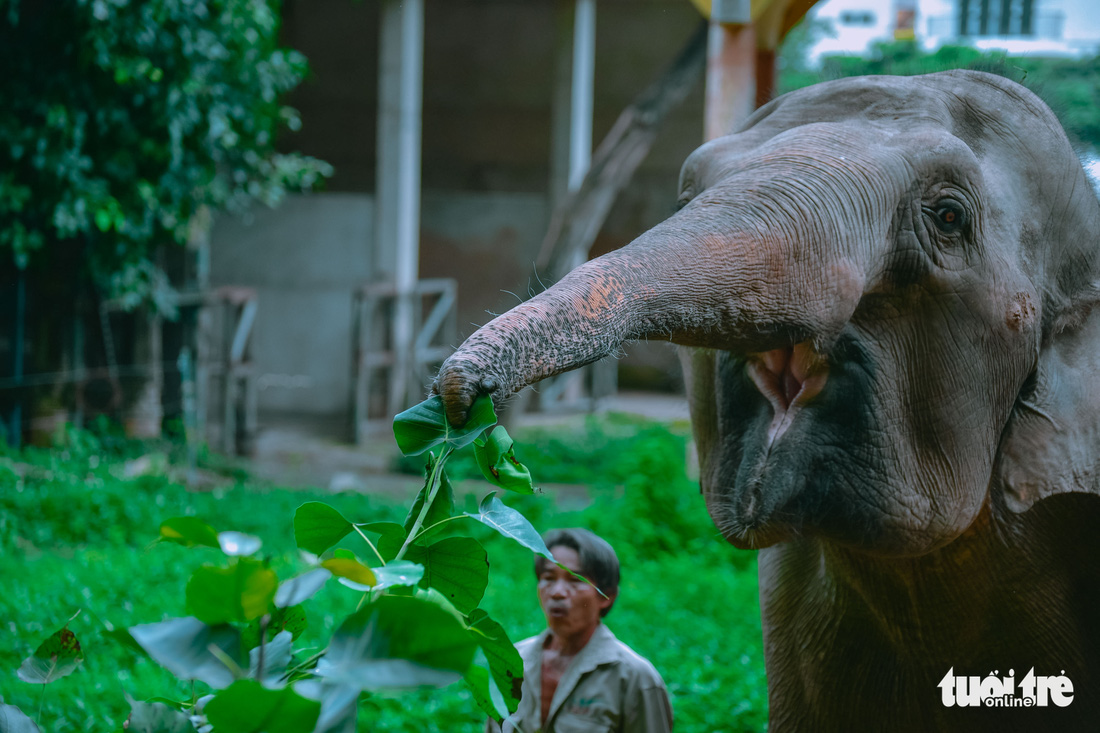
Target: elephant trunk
column 684, row 281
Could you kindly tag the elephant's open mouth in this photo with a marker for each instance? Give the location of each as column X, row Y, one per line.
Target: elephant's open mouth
column 789, row 378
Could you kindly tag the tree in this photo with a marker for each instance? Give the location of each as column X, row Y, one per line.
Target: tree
column 119, row 120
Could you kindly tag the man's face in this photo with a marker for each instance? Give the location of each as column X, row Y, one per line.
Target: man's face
column 571, row 605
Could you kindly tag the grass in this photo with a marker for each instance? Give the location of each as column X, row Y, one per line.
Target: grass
column 76, row 533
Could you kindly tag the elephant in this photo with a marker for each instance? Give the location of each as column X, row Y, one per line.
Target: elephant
column 884, row 291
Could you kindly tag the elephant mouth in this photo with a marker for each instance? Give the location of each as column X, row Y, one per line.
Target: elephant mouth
column 789, row 378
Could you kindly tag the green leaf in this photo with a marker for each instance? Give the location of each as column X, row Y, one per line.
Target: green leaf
column 504, row 665
column 390, row 537
column 188, row 531
column 443, row 507
column 507, row 521
column 318, row 526
column 238, row 544
column 457, row 567
column 14, row 720
column 157, row 717
column 302, row 588
column 396, row 642
column 241, row 592
column 497, row 461
column 123, row 637
column 351, row 569
column 248, row 707
column 276, row 659
column 291, row 619
column 424, row 426
column 56, row 657
column 182, row 646
column 398, row 573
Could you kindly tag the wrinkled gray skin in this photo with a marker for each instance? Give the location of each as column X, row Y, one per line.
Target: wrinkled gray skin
column 895, row 388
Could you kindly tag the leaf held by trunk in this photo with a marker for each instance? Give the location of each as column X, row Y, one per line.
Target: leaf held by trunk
column 424, row 426
column 496, row 458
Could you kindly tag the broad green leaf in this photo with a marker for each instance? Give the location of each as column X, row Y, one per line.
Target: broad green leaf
column 238, row 544
column 318, row 526
column 56, row 657
column 443, row 507
column 241, row 592
column 390, row 537
column 487, row 694
column 504, row 665
column 276, row 659
column 353, row 570
column 291, row 619
column 182, row 646
column 510, row 523
column 398, row 641
column 497, row 460
column 248, row 707
column 188, row 531
column 424, row 426
column 156, row 717
column 398, row 573
column 457, row 567
column 302, row 588
column 14, row 720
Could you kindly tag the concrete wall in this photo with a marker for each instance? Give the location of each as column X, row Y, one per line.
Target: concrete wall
column 307, row 257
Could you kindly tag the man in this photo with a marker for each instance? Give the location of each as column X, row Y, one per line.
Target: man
column 576, row 675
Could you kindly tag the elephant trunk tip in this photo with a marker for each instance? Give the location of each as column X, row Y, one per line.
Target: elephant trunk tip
column 459, row 389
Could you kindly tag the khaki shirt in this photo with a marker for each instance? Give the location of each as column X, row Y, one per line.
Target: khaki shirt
column 607, row 687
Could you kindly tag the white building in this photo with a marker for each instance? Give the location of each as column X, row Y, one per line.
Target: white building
column 1038, row 27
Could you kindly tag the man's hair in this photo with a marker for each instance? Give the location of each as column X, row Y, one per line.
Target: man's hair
column 597, row 558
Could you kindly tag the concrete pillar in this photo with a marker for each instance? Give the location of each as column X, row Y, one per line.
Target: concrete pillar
column 397, row 193
column 731, row 78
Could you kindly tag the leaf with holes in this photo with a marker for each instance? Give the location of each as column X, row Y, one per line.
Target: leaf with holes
column 497, row 690
column 496, row 457
column 424, row 426
column 58, row 656
column 317, row 527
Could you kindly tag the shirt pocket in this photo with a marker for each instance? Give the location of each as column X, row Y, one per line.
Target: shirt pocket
column 595, row 720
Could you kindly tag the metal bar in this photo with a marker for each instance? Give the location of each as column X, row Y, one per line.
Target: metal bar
column 435, row 319
column 244, row 330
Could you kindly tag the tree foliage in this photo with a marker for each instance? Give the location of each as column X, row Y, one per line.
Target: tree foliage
column 120, row 119
column 1071, row 86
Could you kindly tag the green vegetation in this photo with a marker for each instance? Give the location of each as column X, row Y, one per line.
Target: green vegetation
column 77, row 533
column 1070, row 86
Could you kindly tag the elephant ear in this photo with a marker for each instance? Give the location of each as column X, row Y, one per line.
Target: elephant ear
column 1052, row 442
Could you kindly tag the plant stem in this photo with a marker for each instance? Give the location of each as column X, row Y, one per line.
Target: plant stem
column 369, row 544
column 441, row 522
column 433, row 489
column 41, row 699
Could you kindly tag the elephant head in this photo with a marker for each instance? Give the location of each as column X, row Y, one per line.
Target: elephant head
column 888, row 283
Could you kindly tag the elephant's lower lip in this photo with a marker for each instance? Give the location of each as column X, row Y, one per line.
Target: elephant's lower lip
column 788, row 378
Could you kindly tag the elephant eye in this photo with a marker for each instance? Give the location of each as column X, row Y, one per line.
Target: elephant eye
column 950, row 217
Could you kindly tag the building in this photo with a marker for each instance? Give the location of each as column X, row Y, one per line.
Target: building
column 1037, row 27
